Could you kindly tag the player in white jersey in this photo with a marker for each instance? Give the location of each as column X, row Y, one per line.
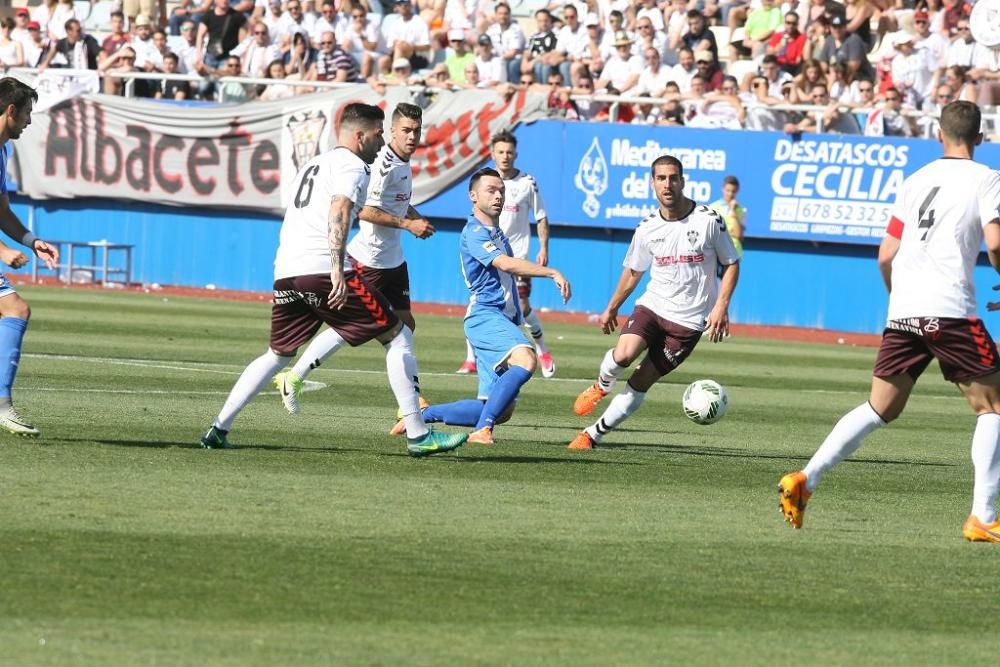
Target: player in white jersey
column 376, row 251
column 682, row 244
column 523, row 201
column 312, row 285
column 941, row 217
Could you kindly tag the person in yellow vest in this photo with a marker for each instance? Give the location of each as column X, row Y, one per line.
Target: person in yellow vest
column 731, row 211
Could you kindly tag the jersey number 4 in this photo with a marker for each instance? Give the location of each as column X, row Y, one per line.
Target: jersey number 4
column 305, row 192
column 927, row 222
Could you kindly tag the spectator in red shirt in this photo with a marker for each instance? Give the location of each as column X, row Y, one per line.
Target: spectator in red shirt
column 788, row 45
column 708, row 70
column 955, row 11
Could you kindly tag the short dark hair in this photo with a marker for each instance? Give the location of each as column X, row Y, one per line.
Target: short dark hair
column 70, row 23
column 961, row 121
column 730, row 79
column 543, row 11
column 731, row 180
column 485, row 171
column 568, row 6
column 671, row 85
column 667, row 159
column 407, row 110
column 360, row 115
column 120, row 15
column 15, row 92
column 503, row 137
column 170, row 55
column 499, row 5
column 795, row 14
column 695, row 14
column 769, row 59
column 614, row 13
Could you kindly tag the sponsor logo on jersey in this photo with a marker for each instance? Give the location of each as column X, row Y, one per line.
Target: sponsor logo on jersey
column 679, row 259
column 402, row 196
column 489, row 246
column 692, row 237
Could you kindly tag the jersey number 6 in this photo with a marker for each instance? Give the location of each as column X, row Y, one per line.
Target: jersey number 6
column 305, row 192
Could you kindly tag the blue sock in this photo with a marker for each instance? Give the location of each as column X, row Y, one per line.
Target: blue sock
column 11, row 334
column 502, row 395
column 459, row 413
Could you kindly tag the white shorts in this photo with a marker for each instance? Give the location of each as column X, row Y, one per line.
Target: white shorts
column 6, row 288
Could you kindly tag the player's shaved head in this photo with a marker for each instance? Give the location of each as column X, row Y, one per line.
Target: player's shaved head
column 667, row 159
column 961, row 123
column 406, row 110
column 476, row 177
column 358, row 116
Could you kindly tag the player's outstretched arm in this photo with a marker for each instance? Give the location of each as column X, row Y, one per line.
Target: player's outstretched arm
column 718, row 320
column 12, row 227
column 416, row 225
column 627, row 283
column 338, row 225
column 526, row 269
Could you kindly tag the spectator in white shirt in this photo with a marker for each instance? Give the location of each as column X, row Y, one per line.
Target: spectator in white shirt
column 360, row 38
column 651, row 10
column 490, row 66
column 272, row 19
column 20, row 33
column 508, row 40
column 294, row 20
column 256, row 52
column 684, row 70
column 572, row 43
column 187, row 53
column 934, row 42
column 142, row 42
column 616, row 24
column 406, row 36
column 593, row 59
column 654, row 76
column 622, row 70
column 648, row 36
column 912, row 70
column 329, row 21
column 962, row 52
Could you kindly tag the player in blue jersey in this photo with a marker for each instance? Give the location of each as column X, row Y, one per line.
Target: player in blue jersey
column 16, row 100
column 505, row 358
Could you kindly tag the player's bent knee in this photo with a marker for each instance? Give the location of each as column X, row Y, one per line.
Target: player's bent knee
column 406, row 317
column 507, row 414
column 524, row 357
column 391, row 333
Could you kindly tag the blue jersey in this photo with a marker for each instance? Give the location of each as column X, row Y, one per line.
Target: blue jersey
column 490, row 287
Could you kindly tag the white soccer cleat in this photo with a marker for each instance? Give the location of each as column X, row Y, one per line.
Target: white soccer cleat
column 547, row 364
column 12, row 421
column 289, row 387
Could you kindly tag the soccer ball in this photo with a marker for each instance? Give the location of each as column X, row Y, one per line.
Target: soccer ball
column 705, row 402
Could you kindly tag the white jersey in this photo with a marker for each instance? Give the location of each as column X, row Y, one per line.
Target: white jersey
column 303, row 247
column 683, row 255
column 521, row 196
column 939, row 217
column 391, row 186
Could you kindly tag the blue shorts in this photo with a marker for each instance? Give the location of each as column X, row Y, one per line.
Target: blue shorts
column 5, row 287
column 493, row 337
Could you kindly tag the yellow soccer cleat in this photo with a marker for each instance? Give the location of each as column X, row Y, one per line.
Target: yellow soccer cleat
column 483, row 436
column 588, row 400
column 581, row 441
column 977, row 531
column 792, row 497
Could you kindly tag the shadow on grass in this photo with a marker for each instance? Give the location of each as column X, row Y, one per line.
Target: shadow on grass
column 168, row 444
column 500, row 458
column 732, row 452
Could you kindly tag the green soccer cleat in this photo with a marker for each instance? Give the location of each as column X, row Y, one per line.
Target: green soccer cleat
column 290, row 387
column 215, row 439
column 13, row 422
column 434, row 442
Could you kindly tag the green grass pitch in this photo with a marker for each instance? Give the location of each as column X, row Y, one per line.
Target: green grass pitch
column 320, row 542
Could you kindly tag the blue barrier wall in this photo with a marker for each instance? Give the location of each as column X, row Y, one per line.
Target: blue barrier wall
column 786, row 279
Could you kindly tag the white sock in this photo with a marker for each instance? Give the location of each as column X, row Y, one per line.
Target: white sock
column 621, row 406
column 470, row 354
column 844, row 440
column 396, row 364
column 322, row 346
column 534, row 326
column 254, row 378
column 986, row 461
column 610, row 370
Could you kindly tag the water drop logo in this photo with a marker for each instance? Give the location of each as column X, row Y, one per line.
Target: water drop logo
column 592, row 178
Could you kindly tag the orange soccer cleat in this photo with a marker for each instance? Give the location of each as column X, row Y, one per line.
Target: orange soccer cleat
column 581, row 441
column 483, row 436
column 792, row 497
column 977, row 531
column 588, row 400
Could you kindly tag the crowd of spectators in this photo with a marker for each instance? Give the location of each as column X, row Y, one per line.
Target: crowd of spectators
column 864, row 65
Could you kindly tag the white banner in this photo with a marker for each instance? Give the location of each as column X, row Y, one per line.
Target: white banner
column 238, row 156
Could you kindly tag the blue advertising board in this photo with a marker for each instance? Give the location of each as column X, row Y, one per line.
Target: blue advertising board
column 814, row 188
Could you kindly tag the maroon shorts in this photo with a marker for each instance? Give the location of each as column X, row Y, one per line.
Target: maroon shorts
column 394, row 284
column 668, row 343
column 300, row 309
column 963, row 348
column 523, row 287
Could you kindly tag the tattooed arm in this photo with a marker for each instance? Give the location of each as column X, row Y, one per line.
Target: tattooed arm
column 338, row 226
